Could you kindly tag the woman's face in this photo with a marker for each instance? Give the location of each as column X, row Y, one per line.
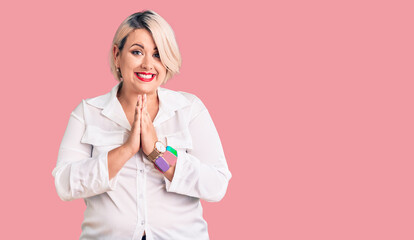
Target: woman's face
column 139, row 62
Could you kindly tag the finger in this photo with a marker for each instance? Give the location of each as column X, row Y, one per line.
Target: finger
column 144, row 101
column 140, row 102
column 143, row 117
column 138, row 108
column 144, row 105
column 138, row 122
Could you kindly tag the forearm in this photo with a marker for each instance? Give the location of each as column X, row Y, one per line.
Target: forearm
column 117, row 158
column 169, row 174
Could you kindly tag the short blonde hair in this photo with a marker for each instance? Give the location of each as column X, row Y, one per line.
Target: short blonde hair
column 162, row 34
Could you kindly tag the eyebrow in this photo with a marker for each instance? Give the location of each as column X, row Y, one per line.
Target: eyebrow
column 139, row 45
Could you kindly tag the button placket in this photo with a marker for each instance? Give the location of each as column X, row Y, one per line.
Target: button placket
column 141, row 183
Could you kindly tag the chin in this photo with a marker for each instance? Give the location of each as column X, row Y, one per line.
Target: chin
column 146, row 88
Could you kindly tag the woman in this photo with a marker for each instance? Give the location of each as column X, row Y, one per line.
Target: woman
column 113, row 153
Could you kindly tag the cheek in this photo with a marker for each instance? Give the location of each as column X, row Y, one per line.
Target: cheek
column 132, row 62
column 161, row 69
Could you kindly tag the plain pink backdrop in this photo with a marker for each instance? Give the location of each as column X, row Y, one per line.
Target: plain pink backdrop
column 313, row 101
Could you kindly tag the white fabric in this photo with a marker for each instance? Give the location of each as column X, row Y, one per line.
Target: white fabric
column 139, row 198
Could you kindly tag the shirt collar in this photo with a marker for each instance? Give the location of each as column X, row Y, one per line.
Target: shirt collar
column 169, row 101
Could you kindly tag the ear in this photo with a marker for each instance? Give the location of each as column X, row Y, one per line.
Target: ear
column 116, row 53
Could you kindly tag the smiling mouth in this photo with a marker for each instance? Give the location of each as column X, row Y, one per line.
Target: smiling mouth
column 145, row 77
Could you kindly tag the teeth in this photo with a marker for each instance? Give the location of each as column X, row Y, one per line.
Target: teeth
column 145, row 76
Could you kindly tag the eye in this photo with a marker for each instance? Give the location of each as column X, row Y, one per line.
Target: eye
column 136, row 52
column 157, row 55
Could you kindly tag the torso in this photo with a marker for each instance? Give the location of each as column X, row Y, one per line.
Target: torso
column 130, row 114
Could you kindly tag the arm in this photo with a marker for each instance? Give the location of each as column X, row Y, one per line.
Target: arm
column 201, row 172
column 77, row 174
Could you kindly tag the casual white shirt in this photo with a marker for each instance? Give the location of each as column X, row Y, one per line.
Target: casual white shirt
column 139, row 198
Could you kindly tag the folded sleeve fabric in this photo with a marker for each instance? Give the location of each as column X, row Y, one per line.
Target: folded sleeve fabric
column 201, row 170
column 78, row 174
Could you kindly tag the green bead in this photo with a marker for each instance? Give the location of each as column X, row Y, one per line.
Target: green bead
column 172, row 150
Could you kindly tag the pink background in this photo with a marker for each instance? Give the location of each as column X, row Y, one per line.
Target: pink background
column 313, row 101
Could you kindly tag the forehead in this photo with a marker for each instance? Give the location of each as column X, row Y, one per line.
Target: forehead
column 141, row 36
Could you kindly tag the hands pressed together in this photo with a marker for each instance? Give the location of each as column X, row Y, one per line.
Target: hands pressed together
column 143, row 133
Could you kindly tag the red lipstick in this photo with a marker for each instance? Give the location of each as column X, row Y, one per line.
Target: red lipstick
column 147, row 78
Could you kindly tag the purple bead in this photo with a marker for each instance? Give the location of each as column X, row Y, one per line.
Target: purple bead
column 162, row 164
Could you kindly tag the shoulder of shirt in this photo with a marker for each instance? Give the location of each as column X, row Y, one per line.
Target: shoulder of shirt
column 98, row 101
column 189, row 97
column 194, row 102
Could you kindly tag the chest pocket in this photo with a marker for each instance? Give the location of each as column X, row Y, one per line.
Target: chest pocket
column 180, row 141
column 103, row 140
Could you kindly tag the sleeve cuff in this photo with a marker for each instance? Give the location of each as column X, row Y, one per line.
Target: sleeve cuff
column 112, row 183
column 91, row 177
column 172, row 186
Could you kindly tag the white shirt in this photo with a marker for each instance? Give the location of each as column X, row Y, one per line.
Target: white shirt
column 139, row 198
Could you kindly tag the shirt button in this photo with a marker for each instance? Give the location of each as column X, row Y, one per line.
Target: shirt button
column 141, row 171
column 142, row 222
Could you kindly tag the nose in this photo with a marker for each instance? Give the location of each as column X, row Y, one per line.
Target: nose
column 147, row 62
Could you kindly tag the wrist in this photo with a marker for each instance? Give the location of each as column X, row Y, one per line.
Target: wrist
column 147, row 149
column 128, row 150
column 153, row 153
column 166, row 161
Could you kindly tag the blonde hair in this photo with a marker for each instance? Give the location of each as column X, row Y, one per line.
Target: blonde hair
column 162, row 34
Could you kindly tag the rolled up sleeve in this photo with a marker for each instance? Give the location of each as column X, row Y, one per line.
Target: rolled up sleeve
column 77, row 174
column 202, row 171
